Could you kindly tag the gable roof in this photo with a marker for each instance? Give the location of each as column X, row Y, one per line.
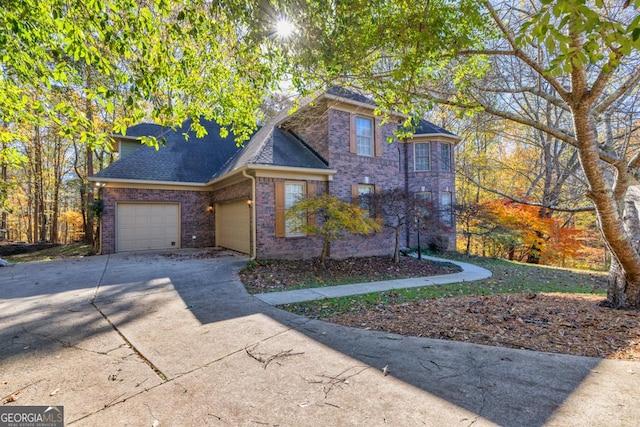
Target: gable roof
column 191, row 161
column 275, row 147
column 349, row 95
column 424, row 127
column 199, row 160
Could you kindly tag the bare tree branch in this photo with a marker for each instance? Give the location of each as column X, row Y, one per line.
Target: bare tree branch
column 630, row 83
column 523, row 56
column 531, row 203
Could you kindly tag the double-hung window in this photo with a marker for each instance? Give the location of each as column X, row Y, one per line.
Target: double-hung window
column 364, row 136
column 293, row 193
column 445, row 157
column 422, row 156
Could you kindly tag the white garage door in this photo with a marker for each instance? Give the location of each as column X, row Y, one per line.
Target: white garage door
column 142, row 226
column 232, row 226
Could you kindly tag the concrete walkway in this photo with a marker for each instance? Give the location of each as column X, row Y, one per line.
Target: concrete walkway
column 469, row 273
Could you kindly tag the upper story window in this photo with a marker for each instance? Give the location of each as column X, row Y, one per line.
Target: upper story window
column 446, row 157
column 293, row 193
column 422, row 156
column 364, row 136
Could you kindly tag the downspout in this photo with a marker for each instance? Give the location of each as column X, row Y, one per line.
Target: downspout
column 407, row 231
column 254, row 242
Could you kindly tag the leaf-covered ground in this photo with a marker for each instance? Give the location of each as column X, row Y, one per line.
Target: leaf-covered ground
column 279, row 275
column 520, row 306
column 551, row 322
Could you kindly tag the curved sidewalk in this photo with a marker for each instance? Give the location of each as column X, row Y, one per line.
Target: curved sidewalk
column 469, row 273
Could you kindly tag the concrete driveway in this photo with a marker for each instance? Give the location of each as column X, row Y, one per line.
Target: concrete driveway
column 153, row 340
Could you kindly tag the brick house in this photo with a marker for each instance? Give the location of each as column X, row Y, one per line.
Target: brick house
column 208, row 192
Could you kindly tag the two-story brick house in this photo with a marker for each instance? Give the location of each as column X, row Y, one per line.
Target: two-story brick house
column 209, row 192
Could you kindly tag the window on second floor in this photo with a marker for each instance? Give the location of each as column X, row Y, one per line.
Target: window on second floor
column 446, row 157
column 364, row 136
column 422, row 156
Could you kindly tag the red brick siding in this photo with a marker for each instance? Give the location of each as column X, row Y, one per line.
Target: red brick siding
column 434, row 181
column 270, row 246
column 194, row 217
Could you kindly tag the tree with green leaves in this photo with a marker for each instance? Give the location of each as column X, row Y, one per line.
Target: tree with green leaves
column 90, row 68
column 158, row 60
column 584, row 55
column 335, row 219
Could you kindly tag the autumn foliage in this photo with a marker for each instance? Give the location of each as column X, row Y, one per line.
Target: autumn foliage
column 524, row 233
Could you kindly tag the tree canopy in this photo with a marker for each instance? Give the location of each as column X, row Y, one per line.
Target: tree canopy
column 131, row 60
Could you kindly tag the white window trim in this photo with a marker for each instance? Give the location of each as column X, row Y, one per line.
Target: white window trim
column 415, row 157
column 446, row 212
column 449, row 165
column 288, row 233
column 372, row 144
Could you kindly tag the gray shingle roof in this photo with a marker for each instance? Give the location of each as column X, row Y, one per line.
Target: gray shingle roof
column 145, row 129
column 193, row 161
column 425, row 127
column 200, row 159
column 351, row 95
column 276, row 147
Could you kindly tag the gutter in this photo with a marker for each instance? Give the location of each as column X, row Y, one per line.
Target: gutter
column 98, row 179
column 254, row 249
column 445, row 136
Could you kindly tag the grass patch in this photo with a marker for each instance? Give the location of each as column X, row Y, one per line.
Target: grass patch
column 508, row 278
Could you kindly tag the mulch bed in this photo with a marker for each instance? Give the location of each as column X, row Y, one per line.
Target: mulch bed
column 277, row 275
column 554, row 322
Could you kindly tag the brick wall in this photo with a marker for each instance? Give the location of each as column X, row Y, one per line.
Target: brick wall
column 329, row 135
column 195, row 219
column 312, row 129
column 383, row 172
column 270, row 246
column 434, row 181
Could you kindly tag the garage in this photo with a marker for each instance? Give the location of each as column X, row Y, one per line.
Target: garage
column 232, row 226
column 143, row 226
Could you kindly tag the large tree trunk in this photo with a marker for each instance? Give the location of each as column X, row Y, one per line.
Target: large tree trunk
column 624, row 282
column 621, row 293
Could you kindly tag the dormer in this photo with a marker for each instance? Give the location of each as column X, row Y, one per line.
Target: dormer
column 127, row 144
